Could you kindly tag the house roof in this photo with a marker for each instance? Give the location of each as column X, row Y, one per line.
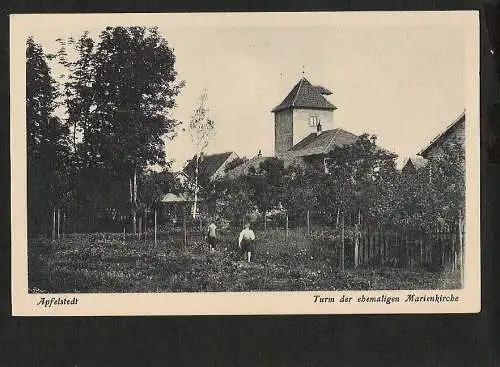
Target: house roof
column 243, row 168
column 322, row 143
column 208, row 165
column 306, row 95
column 416, row 163
column 173, row 198
column 439, row 138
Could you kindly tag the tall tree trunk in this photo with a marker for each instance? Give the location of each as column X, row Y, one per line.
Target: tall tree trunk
column 195, row 204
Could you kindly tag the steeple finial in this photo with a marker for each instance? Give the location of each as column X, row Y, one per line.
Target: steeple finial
column 303, row 71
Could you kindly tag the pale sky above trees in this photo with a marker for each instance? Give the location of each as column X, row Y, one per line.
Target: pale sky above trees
column 403, row 82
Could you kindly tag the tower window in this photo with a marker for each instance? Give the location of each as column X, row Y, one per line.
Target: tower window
column 313, row 121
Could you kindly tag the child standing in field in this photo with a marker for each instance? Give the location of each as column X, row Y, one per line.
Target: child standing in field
column 211, row 236
column 246, row 241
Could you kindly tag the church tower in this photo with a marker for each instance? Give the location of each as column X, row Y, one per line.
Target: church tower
column 304, row 110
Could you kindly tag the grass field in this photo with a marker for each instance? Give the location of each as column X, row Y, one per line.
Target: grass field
column 102, row 263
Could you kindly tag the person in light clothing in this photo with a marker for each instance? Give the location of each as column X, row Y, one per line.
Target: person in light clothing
column 211, row 236
column 246, row 242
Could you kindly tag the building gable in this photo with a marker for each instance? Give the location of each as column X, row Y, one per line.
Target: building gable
column 209, row 166
column 454, row 132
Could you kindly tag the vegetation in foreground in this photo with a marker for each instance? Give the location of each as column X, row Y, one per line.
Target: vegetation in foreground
column 99, row 263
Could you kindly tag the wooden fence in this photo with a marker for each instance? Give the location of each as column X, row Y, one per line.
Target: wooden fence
column 439, row 248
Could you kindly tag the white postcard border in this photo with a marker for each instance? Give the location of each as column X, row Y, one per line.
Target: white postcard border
column 24, row 304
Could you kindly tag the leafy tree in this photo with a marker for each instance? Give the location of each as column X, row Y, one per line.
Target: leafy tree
column 434, row 196
column 202, row 129
column 233, row 197
column 267, row 183
column 118, row 95
column 301, row 191
column 359, row 181
column 154, row 185
column 47, row 145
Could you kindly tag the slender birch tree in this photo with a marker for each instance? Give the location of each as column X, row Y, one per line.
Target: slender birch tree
column 202, row 130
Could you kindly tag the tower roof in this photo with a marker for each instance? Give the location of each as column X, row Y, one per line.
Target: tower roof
column 306, row 95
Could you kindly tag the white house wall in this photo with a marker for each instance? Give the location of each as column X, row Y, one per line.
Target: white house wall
column 301, row 122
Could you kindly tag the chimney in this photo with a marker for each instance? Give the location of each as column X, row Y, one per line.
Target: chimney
column 318, row 128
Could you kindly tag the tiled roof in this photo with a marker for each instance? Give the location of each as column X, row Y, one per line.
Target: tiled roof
column 243, row 169
column 323, row 90
column 438, row 139
column 306, row 95
column 208, row 165
column 322, row 143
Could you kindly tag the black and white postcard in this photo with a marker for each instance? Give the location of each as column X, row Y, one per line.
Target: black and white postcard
column 245, row 163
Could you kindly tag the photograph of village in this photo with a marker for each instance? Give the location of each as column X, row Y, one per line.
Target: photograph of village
column 214, row 159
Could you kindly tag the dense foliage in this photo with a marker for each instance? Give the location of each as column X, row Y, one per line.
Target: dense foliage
column 116, row 95
column 358, row 183
column 47, row 143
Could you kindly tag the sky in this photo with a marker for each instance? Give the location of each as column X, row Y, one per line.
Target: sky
column 404, row 83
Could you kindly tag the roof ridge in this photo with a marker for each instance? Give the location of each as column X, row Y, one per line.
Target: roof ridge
column 333, row 137
column 443, row 132
column 298, row 91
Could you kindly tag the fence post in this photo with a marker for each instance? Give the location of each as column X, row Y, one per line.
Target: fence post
column 406, row 251
column 361, row 246
column 54, row 224
column 342, row 249
column 443, row 258
column 421, row 249
column 145, row 224
column 378, row 248
column 58, row 222
column 308, row 221
column 140, row 228
column 357, row 238
column 454, row 250
column 155, row 227
column 461, row 247
column 184, row 228
column 286, row 228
